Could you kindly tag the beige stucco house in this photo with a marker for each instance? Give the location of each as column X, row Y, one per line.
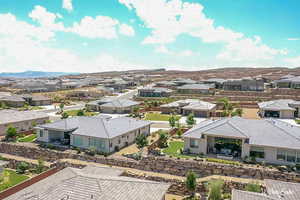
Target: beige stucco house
column 102, row 132
column 22, row 120
column 269, row 140
column 282, row 108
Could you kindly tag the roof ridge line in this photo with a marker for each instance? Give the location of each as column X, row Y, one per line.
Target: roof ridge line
column 233, row 126
column 105, row 129
column 269, row 121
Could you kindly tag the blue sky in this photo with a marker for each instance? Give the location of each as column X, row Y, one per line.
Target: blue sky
column 104, row 35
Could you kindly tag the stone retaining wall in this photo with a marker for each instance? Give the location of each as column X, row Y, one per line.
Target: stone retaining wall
column 156, row 164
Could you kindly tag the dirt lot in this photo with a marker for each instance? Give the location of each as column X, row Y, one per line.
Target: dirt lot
column 250, row 113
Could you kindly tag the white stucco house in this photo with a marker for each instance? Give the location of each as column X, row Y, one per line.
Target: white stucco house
column 102, row 132
column 282, row 108
column 269, row 140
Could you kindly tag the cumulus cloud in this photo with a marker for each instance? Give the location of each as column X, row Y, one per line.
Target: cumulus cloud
column 295, row 61
column 126, row 30
column 67, row 4
column 176, row 17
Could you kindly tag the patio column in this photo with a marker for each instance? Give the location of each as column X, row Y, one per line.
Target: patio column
column 245, row 149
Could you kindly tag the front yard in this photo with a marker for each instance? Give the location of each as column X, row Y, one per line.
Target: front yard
column 159, row 117
column 11, row 178
column 73, row 113
column 28, row 138
column 175, row 149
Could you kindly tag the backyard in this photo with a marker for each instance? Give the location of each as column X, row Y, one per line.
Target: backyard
column 73, row 113
column 28, row 138
column 159, row 117
column 11, row 178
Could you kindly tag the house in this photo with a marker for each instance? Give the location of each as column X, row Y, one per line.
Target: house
column 119, row 106
column 112, row 105
column 185, row 107
column 104, row 133
column 37, row 100
column 154, row 92
column 196, row 89
column 183, row 81
column 21, row 120
column 94, row 183
column 218, row 82
column 269, row 140
column 282, row 108
column 15, row 101
column 244, row 84
column 165, row 84
column 288, row 82
column 274, row 190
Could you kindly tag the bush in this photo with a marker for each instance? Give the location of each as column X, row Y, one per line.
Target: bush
column 253, row 187
column 216, row 160
column 191, row 181
column 22, row 167
column 91, row 151
column 40, row 167
column 215, row 190
column 11, row 133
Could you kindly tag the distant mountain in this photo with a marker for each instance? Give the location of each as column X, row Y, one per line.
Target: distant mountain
column 34, row 74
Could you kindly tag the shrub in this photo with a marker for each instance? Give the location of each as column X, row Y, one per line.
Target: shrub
column 22, row 167
column 191, row 182
column 163, row 140
column 40, row 167
column 215, row 190
column 253, row 187
column 91, row 151
column 11, row 133
column 141, row 141
column 80, row 113
column 216, row 160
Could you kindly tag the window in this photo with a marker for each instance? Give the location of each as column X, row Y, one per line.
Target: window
column 194, row 143
column 257, row 152
column 97, row 143
column 41, row 133
column 288, row 155
column 78, row 141
column 291, row 156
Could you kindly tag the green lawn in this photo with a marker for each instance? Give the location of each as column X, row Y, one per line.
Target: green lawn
column 174, row 150
column 29, row 138
column 14, row 179
column 74, row 113
column 159, row 117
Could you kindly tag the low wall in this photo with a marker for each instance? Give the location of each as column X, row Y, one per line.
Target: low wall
column 156, row 164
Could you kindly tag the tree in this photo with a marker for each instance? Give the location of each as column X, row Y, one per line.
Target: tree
column 80, row 113
column 141, row 141
column 215, row 189
column 191, row 182
column 227, row 106
column 11, row 133
column 64, row 115
column 61, row 106
column 136, row 112
column 190, row 119
column 238, row 112
column 163, row 140
column 40, row 167
column 172, row 121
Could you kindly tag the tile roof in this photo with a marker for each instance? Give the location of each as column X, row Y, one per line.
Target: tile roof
column 191, row 104
column 13, row 116
column 92, row 183
column 196, row 87
column 100, row 127
column 245, row 195
column 281, row 104
column 264, row 132
column 120, row 103
column 283, row 190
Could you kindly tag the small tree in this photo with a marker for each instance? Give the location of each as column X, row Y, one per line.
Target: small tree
column 190, row 119
column 163, row 140
column 172, row 121
column 215, row 190
column 80, row 113
column 11, row 133
column 64, row 115
column 227, row 106
column 253, row 187
column 22, row 167
column 191, row 182
column 61, row 106
column 141, row 141
column 40, row 167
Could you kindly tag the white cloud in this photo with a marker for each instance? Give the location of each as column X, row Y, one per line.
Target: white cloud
column 26, row 47
column 293, row 39
column 176, row 17
column 294, row 62
column 67, row 4
column 46, row 19
column 98, row 27
column 186, row 53
column 126, row 30
column 163, row 49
